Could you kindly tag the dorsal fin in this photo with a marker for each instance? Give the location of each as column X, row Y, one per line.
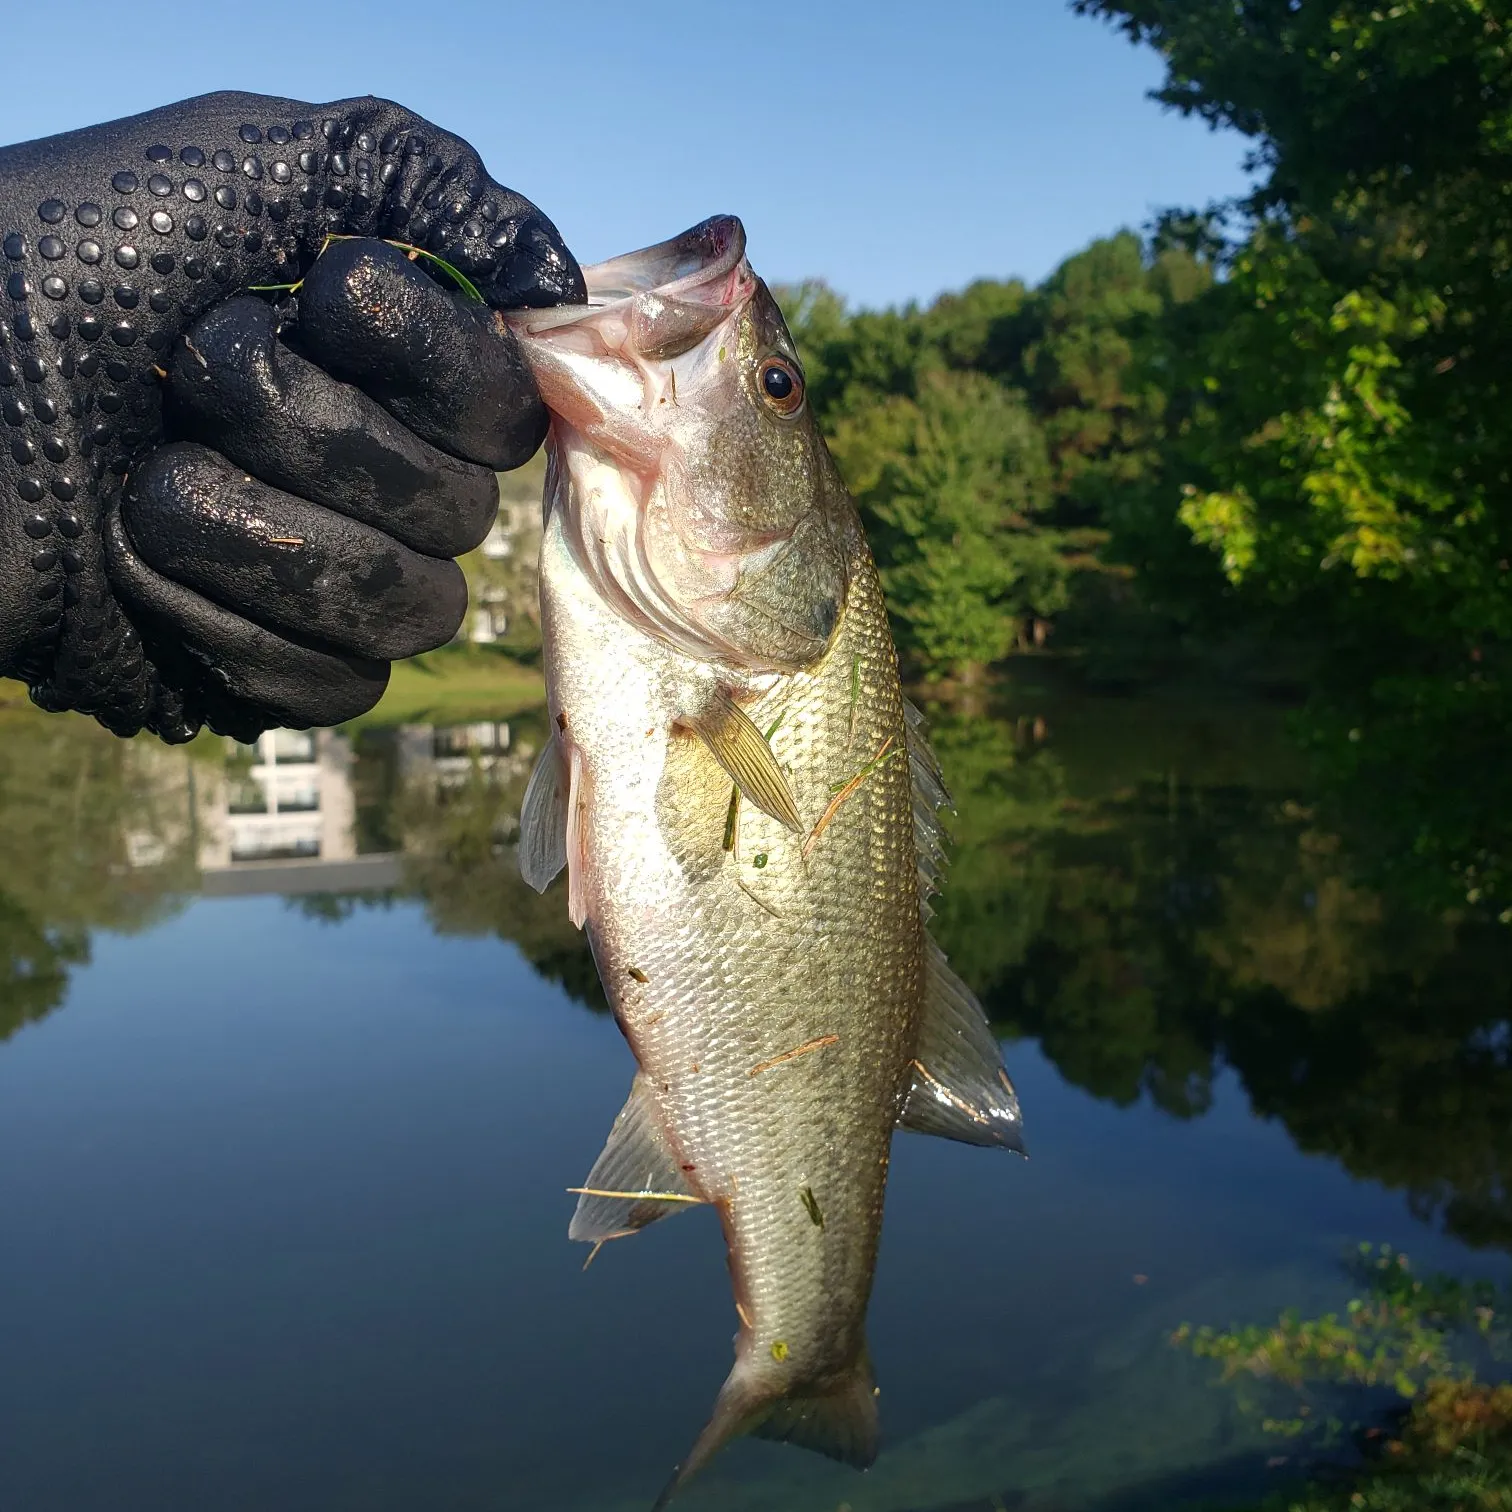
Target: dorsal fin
column 930, row 796
column 636, row 1159
column 960, row 1089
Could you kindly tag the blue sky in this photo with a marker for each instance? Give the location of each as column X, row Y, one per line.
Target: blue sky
column 895, row 149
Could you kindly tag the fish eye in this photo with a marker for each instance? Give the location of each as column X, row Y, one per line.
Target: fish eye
column 781, row 386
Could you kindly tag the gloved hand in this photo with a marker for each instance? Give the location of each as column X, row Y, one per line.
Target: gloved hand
column 237, row 509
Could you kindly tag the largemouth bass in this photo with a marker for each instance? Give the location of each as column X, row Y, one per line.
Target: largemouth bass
column 747, row 811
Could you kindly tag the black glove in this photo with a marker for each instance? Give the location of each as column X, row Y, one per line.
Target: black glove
column 236, row 509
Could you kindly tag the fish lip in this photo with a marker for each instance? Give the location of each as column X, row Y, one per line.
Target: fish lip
column 682, row 267
column 703, row 265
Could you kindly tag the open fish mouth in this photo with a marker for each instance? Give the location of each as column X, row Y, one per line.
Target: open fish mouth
column 696, row 265
column 705, row 266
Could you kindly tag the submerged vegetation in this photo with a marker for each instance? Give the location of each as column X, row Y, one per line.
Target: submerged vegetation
column 1435, row 1345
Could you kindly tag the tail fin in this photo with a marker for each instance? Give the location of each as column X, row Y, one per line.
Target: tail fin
column 837, row 1417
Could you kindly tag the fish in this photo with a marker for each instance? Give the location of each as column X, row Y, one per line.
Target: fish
column 749, row 816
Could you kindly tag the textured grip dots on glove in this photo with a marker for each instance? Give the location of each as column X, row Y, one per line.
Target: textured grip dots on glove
column 115, row 242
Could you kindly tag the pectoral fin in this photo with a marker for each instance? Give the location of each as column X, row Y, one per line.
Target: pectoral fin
column 615, row 1200
column 960, row 1089
column 543, row 818
column 743, row 751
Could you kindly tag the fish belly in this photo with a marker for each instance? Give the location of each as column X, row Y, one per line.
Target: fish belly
column 768, row 982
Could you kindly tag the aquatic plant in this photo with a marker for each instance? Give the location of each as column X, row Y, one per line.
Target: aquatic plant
column 1432, row 1341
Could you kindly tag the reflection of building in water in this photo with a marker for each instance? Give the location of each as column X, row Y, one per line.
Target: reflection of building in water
column 444, row 756
column 287, row 797
column 279, row 815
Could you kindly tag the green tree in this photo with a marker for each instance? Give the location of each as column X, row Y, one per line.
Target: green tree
column 952, row 484
column 1353, row 433
column 1341, row 444
column 1102, row 407
column 1058, row 380
column 982, row 329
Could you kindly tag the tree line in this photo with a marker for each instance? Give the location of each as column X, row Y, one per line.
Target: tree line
column 1271, row 433
column 991, row 439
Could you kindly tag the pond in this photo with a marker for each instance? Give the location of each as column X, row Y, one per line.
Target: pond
column 295, row 1072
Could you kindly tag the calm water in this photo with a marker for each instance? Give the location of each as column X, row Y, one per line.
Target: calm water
column 294, row 1072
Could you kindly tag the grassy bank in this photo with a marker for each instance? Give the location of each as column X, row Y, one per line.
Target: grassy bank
column 454, row 685
column 450, row 686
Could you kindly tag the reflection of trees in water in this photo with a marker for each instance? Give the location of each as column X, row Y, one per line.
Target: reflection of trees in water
column 90, row 838
column 1127, row 898
column 458, row 842
column 1141, row 892
column 1407, row 1080
column 1414, row 773
column 1154, row 934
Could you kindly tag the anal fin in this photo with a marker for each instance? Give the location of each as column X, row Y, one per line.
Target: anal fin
column 636, row 1162
column 960, row 1089
column 744, row 752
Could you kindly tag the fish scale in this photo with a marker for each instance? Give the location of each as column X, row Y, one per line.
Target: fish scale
column 712, row 618
column 839, row 952
column 836, row 951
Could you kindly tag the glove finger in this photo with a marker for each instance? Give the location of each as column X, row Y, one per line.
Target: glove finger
column 286, row 564
column 437, row 194
column 261, row 678
column 441, row 365
column 239, row 390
